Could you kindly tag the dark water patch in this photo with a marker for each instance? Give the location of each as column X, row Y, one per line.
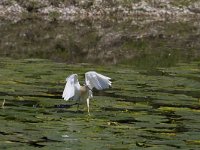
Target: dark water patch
column 113, row 95
column 162, row 130
column 137, row 99
column 36, row 83
column 22, row 119
column 3, row 93
column 195, row 94
column 166, row 128
column 27, row 103
column 46, row 96
column 31, row 129
column 172, row 120
column 170, row 113
column 110, row 94
column 4, row 133
column 142, row 86
column 72, row 112
column 63, row 106
column 128, row 120
column 36, row 96
column 169, row 144
column 155, row 72
column 192, row 77
column 171, row 130
column 175, row 146
column 173, row 117
column 118, row 148
column 55, row 91
column 46, row 139
column 181, row 128
column 35, row 61
column 36, row 143
column 151, row 137
column 142, row 144
column 124, row 109
column 33, row 76
column 46, row 73
column 158, row 104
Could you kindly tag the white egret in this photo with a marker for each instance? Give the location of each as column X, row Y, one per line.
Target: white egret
column 73, row 90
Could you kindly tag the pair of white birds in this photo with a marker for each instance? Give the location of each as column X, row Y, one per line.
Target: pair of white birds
column 73, row 90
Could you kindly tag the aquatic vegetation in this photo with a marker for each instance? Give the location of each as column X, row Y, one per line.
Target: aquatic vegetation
column 154, row 109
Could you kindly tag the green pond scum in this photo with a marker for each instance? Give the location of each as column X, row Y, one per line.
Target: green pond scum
column 154, row 109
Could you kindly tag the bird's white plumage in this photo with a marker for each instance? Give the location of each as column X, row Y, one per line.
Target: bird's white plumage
column 71, row 88
column 74, row 91
column 96, row 80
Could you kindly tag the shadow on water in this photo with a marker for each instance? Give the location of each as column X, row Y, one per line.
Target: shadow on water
column 38, row 143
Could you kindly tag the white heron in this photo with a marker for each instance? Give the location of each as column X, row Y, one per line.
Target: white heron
column 73, row 90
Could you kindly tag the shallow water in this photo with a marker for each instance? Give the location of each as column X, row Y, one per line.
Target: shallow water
column 152, row 109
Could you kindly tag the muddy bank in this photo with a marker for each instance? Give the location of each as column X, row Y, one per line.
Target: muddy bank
column 15, row 10
column 101, row 31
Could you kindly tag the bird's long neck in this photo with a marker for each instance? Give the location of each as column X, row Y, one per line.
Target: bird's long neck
column 83, row 87
column 83, row 90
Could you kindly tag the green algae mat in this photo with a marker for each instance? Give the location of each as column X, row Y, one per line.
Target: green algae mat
column 145, row 109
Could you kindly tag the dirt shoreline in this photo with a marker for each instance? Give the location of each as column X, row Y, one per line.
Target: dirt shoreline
column 100, row 31
column 72, row 10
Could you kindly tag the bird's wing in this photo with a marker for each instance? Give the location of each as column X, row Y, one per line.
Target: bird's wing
column 71, row 87
column 96, row 80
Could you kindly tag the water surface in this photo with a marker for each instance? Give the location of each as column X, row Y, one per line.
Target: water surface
column 145, row 108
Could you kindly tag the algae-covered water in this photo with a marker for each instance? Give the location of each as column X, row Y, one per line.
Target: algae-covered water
column 145, row 108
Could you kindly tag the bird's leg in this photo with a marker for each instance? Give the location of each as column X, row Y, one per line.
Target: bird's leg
column 2, row 106
column 88, row 105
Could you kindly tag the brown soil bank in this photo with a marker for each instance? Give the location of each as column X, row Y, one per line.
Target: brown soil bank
column 101, row 31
